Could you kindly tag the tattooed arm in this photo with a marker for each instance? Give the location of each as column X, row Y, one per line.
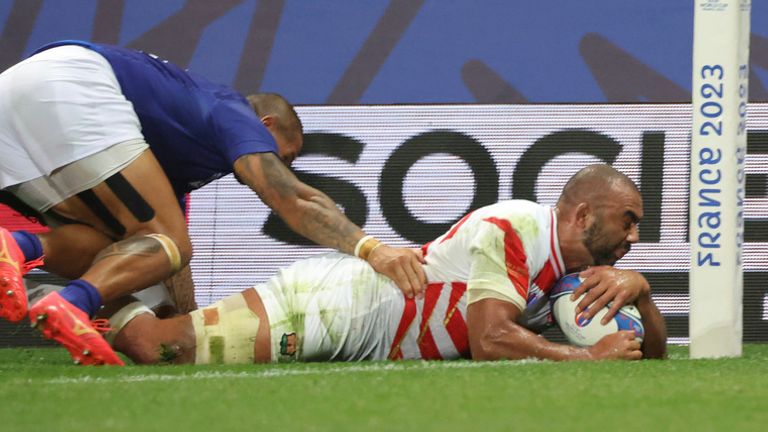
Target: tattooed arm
column 314, row 215
column 306, row 210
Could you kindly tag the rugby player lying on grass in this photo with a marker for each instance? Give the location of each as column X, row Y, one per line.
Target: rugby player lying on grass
column 489, row 276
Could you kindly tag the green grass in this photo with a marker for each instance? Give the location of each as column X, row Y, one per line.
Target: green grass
column 41, row 391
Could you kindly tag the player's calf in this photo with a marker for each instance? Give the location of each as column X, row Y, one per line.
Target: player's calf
column 149, row 340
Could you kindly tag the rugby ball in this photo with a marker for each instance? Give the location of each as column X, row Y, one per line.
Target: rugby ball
column 582, row 332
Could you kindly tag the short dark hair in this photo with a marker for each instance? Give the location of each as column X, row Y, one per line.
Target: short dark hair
column 594, row 181
column 272, row 104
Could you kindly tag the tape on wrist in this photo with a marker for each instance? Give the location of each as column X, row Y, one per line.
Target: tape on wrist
column 378, row 243
column 360, row 244
column 369, row 246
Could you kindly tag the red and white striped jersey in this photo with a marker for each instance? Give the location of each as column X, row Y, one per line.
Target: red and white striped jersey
column 335, row 307
column 508, row 251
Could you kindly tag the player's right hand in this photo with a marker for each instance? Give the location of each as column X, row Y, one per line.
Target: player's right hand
column 403, row 266
column 605, row 284
column 621, row 345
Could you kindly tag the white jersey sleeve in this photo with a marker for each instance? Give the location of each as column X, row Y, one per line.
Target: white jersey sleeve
column 499, row 250
column 499, row 267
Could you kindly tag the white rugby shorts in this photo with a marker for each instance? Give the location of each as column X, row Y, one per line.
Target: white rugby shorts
column 57, row 107
column 332, row 307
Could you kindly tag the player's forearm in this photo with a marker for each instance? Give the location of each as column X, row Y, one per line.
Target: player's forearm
column 655, row 340
column 306, row 210
column 318, row 219
column 495, row 335
column 515, row 342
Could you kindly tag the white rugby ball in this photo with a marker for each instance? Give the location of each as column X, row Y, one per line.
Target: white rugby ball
column 585, row 333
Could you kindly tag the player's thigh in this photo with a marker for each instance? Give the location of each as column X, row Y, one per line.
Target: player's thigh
column 70, row 249
column 341, row 302
column 146, row 339
column 232, row 330
column 142, row 200
column 127, row 195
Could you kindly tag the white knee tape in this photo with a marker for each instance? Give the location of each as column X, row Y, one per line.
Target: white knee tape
column 225, row 332
column 170, row 248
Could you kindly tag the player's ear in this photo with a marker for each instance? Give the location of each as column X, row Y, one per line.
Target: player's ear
column 583, row 215
column 268, row 121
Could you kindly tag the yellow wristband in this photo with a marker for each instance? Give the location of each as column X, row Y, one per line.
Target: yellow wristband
column 367, row 247
column 360, row 244
column 378, row 243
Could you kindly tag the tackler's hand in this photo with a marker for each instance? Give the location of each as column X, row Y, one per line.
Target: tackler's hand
column 403, row 266
column 606, row 284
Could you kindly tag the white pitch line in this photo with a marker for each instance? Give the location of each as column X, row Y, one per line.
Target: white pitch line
column 279, row 372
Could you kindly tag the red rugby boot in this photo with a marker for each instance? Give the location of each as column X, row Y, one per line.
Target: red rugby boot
column 61, row 321
column 13, row 296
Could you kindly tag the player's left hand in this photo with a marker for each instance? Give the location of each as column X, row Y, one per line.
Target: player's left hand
column 401, row 265
column 606, row 284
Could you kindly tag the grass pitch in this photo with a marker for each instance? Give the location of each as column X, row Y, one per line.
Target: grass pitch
column 40, row 390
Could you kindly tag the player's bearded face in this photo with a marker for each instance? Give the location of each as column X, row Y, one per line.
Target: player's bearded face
column 604, row 247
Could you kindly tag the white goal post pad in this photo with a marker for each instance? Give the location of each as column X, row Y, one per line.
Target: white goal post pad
column 718, row 153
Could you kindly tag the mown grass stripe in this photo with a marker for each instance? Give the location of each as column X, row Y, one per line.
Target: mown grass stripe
column 282, row 372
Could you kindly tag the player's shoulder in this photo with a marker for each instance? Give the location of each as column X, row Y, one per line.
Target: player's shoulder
column 515, row 208
column 221, row 101
column 529, row 221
